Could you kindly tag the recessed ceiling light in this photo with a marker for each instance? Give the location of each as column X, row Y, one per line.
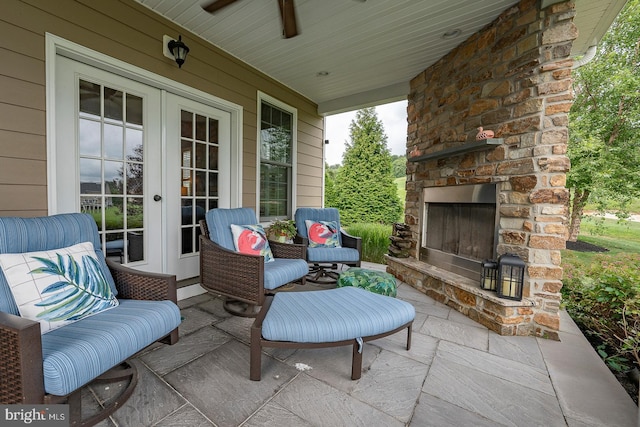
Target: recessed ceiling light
column 451, row 34
column 322, row 73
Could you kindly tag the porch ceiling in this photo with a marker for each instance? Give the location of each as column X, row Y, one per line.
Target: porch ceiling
column 371, row 49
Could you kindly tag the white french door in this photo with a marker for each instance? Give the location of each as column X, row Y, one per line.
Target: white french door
column 198, row 162
column 145, row 163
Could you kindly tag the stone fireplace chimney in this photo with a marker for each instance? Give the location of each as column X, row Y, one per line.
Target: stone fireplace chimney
column 512, row 77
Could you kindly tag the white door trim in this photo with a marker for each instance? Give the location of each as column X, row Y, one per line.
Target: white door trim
column 55, row 45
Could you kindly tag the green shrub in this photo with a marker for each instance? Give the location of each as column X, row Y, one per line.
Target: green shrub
column 375, row 240
column 604, row 300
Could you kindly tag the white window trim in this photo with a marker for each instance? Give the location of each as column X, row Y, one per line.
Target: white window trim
column 263, row 97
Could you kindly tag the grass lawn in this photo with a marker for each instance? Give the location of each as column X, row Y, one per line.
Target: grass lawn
column 617, row 236
column 402, row 190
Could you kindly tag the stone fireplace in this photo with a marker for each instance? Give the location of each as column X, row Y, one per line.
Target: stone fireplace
column 512, row 77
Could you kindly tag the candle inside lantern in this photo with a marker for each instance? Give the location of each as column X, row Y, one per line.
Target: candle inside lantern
column 507, row 288
column 488, row 283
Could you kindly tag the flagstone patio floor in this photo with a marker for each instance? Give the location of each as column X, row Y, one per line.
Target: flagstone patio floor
column 457, row 373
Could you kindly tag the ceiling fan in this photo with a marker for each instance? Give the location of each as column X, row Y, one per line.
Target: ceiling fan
column 287, row 14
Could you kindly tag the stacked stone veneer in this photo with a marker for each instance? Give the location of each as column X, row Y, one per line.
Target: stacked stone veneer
column 512, row 77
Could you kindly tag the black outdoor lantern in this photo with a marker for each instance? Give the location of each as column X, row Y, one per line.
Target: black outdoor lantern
column 489, row 275
column 179, row 50
column 510, row 277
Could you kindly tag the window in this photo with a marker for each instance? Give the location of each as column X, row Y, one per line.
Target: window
column 277, row 152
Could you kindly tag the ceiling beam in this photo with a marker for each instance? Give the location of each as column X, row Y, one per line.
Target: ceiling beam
column 371, row 98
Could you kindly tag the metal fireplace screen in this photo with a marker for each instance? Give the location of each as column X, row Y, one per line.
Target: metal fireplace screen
column 459, row 228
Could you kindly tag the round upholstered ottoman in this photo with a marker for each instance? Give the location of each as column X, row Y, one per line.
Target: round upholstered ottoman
column 380, row 282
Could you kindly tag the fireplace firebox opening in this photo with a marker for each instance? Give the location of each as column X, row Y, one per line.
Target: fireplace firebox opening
column 459, row 227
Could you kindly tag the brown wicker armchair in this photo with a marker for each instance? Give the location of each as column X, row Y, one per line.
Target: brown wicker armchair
column 25, row 351
column 241, row 278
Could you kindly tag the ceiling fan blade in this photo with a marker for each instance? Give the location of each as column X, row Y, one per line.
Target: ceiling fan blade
column 288, row 15
column 215, row 6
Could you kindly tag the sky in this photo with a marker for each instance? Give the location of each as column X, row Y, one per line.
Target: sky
column 394, row 120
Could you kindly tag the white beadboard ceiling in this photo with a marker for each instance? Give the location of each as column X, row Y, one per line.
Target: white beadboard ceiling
column 370, row 49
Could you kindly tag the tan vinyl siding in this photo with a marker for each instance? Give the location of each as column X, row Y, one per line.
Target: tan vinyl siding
column 129, row 32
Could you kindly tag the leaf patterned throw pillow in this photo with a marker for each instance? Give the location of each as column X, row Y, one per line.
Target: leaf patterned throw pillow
column 58, row 287
column 322, row 234
column 252, row 240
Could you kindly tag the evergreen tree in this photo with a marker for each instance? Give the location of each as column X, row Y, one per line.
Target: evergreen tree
column 330, row 195
column 364, row 184
column 399, row 166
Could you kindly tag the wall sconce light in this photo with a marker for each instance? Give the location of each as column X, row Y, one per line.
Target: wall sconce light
column 179, row 50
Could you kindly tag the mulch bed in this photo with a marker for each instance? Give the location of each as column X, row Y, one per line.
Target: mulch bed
column 585, row 247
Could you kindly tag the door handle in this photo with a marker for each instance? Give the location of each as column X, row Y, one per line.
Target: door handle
column 157, row 197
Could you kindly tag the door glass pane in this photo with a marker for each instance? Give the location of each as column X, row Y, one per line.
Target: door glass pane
column 90, row 98
column 90, row 176
column 199, row 182
column 201, row 128
column 114, row 213
column 112, row 104
column 134, row 110
column 135, row 217
column 114, row 184
column 213, row 130
column 135, row 178
column 213, row 157
column 135, row 246
column 186, row 124
column 89, row 134
column 113, row 141
column 112, row 168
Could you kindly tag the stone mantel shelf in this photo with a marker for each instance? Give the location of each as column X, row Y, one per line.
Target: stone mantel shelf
column 483, row 144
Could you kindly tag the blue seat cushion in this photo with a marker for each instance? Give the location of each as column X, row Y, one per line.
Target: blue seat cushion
column 281, row 271
column 77, row 353
column 332, row 255
column 333, row 315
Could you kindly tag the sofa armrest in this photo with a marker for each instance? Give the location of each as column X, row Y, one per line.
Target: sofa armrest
column 288, row 250
column 230, row 273
column 22, row 378
column 142, row 285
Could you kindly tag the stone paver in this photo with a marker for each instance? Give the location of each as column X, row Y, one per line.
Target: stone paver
column 457, row 373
